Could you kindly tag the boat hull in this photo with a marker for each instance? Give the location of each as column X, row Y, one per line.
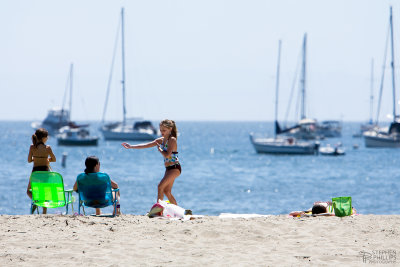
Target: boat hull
column 281, row 146
column 129, row 134
column 330, row 151
column 75, row 142
column 374, row 139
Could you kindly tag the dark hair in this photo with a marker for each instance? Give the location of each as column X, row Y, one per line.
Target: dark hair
column 90, row 163
column 38, row 136
column 170, row 124
column 318, row 208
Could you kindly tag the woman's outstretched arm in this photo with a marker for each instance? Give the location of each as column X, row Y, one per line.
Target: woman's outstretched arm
column 140, row 146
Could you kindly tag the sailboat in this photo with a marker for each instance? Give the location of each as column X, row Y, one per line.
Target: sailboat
column 370, row 125
column 306, row 128
column 139, row 130
column 391, row 137
column 57, row 117
column 281, row 144
column 73, row 134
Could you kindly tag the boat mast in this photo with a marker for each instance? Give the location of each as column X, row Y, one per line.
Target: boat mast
column 393, row 72
column 123, row 66
column 371, row 98
column 70, row 88
column 303, row 79
column 277, row 83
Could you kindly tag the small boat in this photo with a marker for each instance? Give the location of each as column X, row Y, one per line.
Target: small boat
column 139, row 130
column 328, row 150
column 76, row 136
column 281, row 144
column 389, row 138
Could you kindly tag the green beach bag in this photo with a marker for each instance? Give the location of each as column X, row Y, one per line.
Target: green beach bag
column 342, row 206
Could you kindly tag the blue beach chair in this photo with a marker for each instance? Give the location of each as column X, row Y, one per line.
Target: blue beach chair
column 95, row 191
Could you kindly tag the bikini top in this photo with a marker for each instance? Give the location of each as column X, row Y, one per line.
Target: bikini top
column 173, row 158
column 40, row 157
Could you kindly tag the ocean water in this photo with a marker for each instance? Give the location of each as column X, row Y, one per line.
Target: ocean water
column 221, row 172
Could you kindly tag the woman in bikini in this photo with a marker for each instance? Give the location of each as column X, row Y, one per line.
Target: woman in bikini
column 167, row 145
column 41, row 155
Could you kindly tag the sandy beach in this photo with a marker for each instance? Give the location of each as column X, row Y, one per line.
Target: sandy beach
column 132, row 240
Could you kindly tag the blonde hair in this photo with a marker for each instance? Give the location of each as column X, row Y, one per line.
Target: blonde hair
column 171, row 125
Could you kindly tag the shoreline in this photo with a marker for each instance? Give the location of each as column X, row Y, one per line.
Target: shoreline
column 137, row 240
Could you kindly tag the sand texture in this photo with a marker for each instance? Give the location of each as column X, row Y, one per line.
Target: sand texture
column 131, row 240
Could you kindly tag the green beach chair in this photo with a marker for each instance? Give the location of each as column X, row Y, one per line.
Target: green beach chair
column 95, row 191
column 48, row 191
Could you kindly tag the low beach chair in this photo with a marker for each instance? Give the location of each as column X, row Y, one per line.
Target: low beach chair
column 95, row 191
column 48, row 191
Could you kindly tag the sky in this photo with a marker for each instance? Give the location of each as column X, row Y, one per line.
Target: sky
column 196, row 60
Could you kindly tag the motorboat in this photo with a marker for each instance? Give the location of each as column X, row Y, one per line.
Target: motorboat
column 328, row 150
column 76, row 136
column 55, row 119
column 139, row 130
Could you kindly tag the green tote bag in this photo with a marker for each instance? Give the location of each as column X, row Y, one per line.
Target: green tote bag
column 342, row 206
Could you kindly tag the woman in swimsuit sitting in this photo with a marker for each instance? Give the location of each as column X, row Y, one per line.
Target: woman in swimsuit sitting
column 41, row 155
column 167, row 145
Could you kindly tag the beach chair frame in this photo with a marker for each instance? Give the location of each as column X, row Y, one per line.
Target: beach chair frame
column 48, row 191
column 95, row 191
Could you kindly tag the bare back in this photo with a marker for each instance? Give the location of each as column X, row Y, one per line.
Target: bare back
column 41, row 155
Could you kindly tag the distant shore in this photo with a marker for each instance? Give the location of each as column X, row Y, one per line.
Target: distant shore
column 132, row 240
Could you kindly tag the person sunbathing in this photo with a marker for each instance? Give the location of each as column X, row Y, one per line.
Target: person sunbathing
column 319, row 208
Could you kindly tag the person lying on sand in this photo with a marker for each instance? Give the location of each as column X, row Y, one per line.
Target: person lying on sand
column 319, row 208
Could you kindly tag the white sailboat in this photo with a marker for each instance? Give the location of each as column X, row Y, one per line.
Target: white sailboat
column 306, row 128
column 391, row 137
column 73, row 134
column 137, row 130
column 57, row 117
column 281, row 144
column 370, row 125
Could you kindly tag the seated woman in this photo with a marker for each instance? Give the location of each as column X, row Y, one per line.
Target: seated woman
column 92, row 164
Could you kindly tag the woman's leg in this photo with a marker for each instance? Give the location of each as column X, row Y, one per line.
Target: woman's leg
column 165, row 186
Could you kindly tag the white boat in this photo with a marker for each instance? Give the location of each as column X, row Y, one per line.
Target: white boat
column 76, row 136
column 328, row 150
column 391, row 137
column 306, row 128
column 370, row 125
column 55, row 119
column 139, row 130
column 73, row 134
column 281, row 144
